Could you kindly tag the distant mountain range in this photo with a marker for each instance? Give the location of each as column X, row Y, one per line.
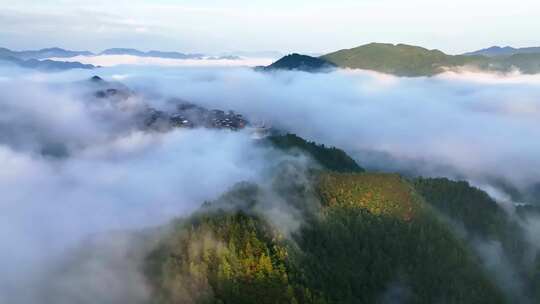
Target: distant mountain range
column 410, row 61
column 39, row 59
column 504, row 51
column 159, row 54
column 45, row 65
column 62, row 53
column 56, row 52
column 396, row 59
column 400, row 59
column 43, row 53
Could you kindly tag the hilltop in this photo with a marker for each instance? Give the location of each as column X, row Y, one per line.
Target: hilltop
column 331, row 232
column 412, row 61
column 362, row 238
column 300, row 63
column 153, row 53
column 400, row 59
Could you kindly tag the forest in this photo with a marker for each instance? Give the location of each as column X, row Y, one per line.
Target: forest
column 363, row 238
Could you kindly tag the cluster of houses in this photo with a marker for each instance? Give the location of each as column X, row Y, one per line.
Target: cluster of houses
column 188, row 115
column 185, row 115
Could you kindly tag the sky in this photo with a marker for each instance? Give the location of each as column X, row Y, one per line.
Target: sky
column 308, row 26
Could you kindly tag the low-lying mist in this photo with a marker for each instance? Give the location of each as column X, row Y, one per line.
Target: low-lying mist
column 108, row 175
column 114, row 60
column 480, row 127
column 73, row 167
column 134, row 181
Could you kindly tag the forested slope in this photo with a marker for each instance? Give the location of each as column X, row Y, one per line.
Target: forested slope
column 364, row 238
column 483, row 222
column 330, row 158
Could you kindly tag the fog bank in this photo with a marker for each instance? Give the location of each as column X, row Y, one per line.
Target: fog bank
column 75, row 166
column 466, row 125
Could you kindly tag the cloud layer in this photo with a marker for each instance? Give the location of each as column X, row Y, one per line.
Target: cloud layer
column 75, row 166
column 468, row 125
column 109, row 176
column 114, row 60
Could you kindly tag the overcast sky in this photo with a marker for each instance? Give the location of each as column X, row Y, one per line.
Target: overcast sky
column 251, row 25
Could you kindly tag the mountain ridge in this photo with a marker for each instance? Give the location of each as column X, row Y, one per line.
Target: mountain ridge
column 405, row 60
column 43, row 53
column 151, row 53
column 494, row 51
column 46, row 64
column 300, row 62
column 398, row 59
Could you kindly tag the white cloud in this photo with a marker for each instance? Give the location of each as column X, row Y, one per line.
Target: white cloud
column 476, row 127
column 467, row 125
column 113, row 60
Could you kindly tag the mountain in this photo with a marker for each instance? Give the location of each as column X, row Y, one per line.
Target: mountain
column 44, row 65
column 122, row 51
column 400, row 59
column 361, row 238
column 36, row 59
column 56, row 52
column 411, row 61
column 528, row 63
column 328, row 231
column 43, row 53
column 368, row 238
column 300, row 63
column 504, row 51
column 7, row 53
column 51, row 53
column 159, row 54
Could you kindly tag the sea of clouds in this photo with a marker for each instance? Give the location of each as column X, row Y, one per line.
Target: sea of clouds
column 112, row 176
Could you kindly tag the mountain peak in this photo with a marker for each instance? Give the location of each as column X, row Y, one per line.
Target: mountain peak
column 398, row 59
column 96, row 78
column 300, row 62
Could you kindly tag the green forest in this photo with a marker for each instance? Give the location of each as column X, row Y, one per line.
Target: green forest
column 406, row 61
column 330, row 158
column 363, row 238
